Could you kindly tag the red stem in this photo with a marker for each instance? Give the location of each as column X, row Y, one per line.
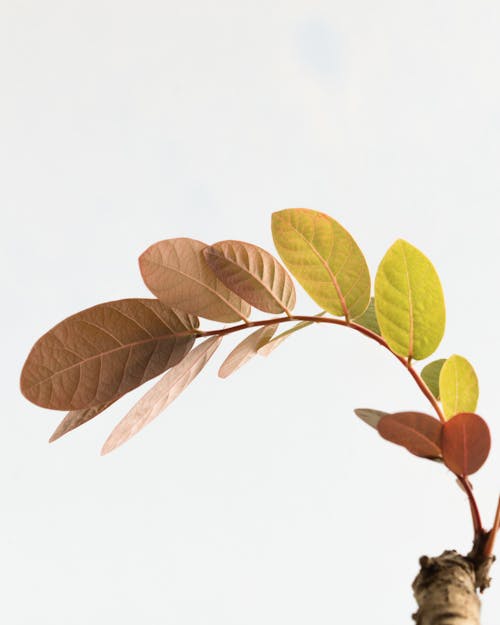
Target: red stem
column 406, row 362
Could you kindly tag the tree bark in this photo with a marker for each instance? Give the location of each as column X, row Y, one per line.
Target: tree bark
column 446, row 589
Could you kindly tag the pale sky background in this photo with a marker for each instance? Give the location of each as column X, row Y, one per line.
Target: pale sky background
column 260, row 499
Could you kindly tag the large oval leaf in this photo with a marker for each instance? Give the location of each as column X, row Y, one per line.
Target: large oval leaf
column 246, row 350
column 466, row 443
column 418, row 432
column 409, row 302
column 324, row 258
column 458, row 386
column 176, row 271
column 105, row 351
column 162, row 394
column 430, row 375
column 75, row 418
column 254, row 274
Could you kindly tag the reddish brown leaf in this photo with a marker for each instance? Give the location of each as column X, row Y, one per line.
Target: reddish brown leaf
column 103, row 352
column 254, row 274
column 418, row 432
column 466, row 443
column 176, row 271
column 76, row 418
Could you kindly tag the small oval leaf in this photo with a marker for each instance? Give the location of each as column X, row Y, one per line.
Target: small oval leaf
column 430, row 375
column 409, row 302
column 458, row 386
column 418, row 432
column 274, row 342
column 369, row 416
column 369, row 318
column 324, row 258
column 101, row 353
column 466, row 443
column 76, row 418
column 246, row 350
column 176, row 271
column 253, row 274
column 162, row 394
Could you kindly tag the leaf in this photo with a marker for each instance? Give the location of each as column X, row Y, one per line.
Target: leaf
column 466, row 443
column 273, row 343
column 458, row 386
column 76, row 418
column 324, row 258
column 409, row 302
column 246, row 350
column 418, row 432
column 253, row 274
column 103, row 352
column 369, row 416
column 176, row 271
column 369, row 318
column 430, row 375
column 162, row 394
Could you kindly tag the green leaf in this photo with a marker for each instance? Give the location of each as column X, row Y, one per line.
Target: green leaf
column 458, row 386
column 324, row 258
column 253, row 274
column 430, row 375
column 409, row 302
column 369, row 318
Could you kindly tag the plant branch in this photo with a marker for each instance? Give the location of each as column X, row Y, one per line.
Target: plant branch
column 406, row 362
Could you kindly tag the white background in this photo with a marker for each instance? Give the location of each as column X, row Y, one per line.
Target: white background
column 260, row 499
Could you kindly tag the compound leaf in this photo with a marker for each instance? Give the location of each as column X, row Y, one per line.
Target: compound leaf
column 253, row 274
column 409, row 302
column 324, row 258
column 175, row 270
column 466, row 443
column 162, row 394
column 458, row 386
column 101, row 353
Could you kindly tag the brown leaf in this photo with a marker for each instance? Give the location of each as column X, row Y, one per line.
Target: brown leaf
column 103, row 352
column 369, row 416
column 466, row 443
column 418, row 432
column 246, row 350
column 176, row 271
column 161, row 394
column 254, row 274
column 76, row 418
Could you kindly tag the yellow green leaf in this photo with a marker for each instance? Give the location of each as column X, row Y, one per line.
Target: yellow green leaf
column 324, row 258
column 458, row 386
column 409, row 302
column 430, row 375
